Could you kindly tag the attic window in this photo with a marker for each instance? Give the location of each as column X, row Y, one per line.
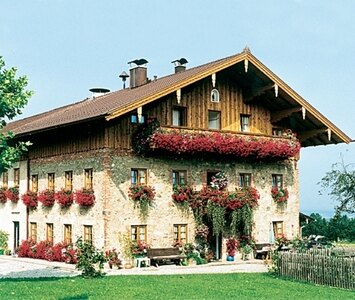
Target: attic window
column 215, row 96
column 135, row 119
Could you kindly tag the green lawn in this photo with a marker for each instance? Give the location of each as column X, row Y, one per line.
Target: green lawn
column 218, row 286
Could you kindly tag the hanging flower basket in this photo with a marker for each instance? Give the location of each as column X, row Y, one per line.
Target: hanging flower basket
column 12, row 194
column 142, row 196
column 30, row 199
column 3, row 197
column 46, row 197
column 64, row 198
column 280, row 195
column 85, row 197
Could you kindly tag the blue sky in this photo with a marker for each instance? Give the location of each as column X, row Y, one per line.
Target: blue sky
column 66, row 47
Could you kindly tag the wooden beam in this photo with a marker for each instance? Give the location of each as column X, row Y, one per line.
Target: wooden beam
column 304, row 135
column 257, row 92
column 281, row 114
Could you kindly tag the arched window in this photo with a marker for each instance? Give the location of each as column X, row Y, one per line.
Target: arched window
column 214, row 95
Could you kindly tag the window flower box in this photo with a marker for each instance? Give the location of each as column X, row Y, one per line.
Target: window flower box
column 64, row 198
column 30, row 199
column 280, row 195
column 143, row 197
column 84, row 197
column 3, row 197
column 12, row 194
column 46, row 197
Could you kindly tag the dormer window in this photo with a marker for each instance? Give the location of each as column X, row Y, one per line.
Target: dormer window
column 215, row 96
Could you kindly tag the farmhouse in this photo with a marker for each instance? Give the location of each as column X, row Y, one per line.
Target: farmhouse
column 230, row 123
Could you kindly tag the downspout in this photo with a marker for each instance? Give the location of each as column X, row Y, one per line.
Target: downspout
column 28, row 187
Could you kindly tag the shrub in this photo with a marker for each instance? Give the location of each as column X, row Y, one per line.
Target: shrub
column 26, row 248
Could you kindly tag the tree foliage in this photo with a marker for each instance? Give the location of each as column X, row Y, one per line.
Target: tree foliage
column 340, row 182
column 13, row 97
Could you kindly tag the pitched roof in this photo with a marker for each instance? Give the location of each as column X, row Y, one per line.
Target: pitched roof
column 117, row 103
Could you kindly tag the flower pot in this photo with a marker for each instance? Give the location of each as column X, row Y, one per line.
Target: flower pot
column 230, row 258
column 2, row 251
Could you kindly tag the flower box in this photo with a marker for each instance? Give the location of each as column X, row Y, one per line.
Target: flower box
column 280, row 195
column 3, row 197
column 64, row 198
column 12, row 194
column 84, row 197
column 46, row 197
column 30, row 199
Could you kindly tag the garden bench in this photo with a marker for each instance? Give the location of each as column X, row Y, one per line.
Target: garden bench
column 163, row 254
column 262, row 250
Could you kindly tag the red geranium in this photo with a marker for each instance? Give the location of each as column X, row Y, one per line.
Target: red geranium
column 30, row 199
column 46, row 197
column 3, row 197
column 279, row 195
column 64, row 198
column 85, row 197
column 12, row 194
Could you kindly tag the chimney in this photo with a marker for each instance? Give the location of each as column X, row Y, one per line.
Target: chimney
column 180, row 65
column 138, row 72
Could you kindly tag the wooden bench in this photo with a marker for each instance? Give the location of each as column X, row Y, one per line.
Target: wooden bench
column 164, row 254
column 262, row 250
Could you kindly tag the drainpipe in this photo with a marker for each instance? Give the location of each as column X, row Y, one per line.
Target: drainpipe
column 27, row 187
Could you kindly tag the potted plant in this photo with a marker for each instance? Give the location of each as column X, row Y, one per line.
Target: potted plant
column 280, row 195
column 46, row 197
column 85, row 197
column 139, row 248
column 30, row 199
column 64, row 198
column 12, row 194
column 246, row 250
column 4, row 238
column 3, row 197
column 231, row 247
column 142, row 196
column 112, row 258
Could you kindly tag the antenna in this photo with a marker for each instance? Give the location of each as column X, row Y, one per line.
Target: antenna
column 124, row 77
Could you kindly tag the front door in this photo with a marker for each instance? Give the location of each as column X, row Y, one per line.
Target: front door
column 16, row 235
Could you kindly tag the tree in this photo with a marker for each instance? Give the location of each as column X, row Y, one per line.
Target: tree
column 13, row 97
column 341, row 183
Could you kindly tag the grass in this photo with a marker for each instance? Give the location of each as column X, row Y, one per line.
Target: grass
column 207, row 286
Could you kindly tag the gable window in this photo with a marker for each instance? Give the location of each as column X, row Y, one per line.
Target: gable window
column 5, row 180
column 215, row 96
column 50, row 233
column 88, row 179
column 179, row 177
column 180, row 233
column 68, row 181
column 244, row 180
column 88, row 233
column 136, row 120
column 278, row 228
column 33, row 231
column 138, row 176
column 51, row 181
column 16, row 177
column 245, row 123
column 139, row 233
column 179, row 116
column 67, row 234
column 277, row 180
column 214, row 119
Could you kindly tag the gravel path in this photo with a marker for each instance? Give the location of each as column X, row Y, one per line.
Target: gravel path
column 15, row 267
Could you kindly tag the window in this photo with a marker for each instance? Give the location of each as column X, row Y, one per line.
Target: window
column 16, row 177
column 244, row 179
column 211, row 174
column 34, row 182
column 67, row 234
column 180, row 232
column 139, row 233
column 277, row 180
column 5, row 180
column 138, row 176
column 88, row 233
column 214, row 119
column 33, row 232
column 278, row 228
column 179, row 177
column 179, row 116
column 49, row 233
column 135, row 119
column 215, row 96
column 51, row 181
column 277, row 131
column 68, row 181
column 88, row 179
column 244, row 123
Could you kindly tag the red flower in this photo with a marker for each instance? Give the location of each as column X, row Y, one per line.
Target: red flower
column 64, row 198
column 46, row 197
column 3, row 196
column 30, row 199
column 279, row 195
column 12, row 194
column 85, row 197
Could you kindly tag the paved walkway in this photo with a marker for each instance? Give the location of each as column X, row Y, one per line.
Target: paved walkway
column 16, row 267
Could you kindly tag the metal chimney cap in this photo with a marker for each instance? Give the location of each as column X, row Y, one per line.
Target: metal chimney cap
column 99, row 90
